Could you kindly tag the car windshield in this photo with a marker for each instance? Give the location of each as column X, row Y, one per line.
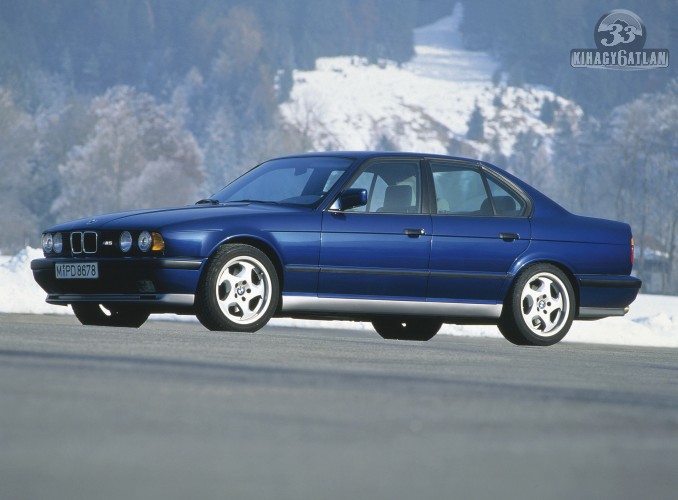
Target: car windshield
column 301, row 181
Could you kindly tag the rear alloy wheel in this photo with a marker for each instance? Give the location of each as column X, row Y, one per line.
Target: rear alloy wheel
column 420, row 329
column 540, row 307
column 239, row 290
column 98, row 315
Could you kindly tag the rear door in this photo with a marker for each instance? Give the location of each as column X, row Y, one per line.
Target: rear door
column 479, row 229
column 381, row 250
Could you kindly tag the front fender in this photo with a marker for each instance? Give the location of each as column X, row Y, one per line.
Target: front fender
column 291, row 249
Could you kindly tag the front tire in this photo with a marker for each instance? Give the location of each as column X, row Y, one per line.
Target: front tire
column 239, row 290
column 539, row 309
column 418, row 329
column 93, row 314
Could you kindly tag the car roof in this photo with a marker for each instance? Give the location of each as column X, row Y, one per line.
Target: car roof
column 363, row 155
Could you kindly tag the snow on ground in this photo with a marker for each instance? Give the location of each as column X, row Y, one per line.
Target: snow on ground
column 653, row 320
column 18, row 292
column 347, row 103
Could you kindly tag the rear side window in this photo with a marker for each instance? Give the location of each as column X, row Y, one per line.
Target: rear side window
column 464, row 190
column 460, row 191
column 506, row 203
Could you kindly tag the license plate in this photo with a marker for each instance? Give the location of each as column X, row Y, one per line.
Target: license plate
column 77, row 271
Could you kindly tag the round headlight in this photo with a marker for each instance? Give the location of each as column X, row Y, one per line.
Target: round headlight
column 47, row 242
column 125, row 241
column 58, row 242
column 145, row 241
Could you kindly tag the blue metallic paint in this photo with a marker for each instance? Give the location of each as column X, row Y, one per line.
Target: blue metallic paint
column 357, row 245
column 471, row 248
column 325, row 253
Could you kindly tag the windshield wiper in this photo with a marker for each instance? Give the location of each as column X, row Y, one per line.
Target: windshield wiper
column 253, row 201
column 208, row 201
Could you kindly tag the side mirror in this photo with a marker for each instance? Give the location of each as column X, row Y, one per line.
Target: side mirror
column 351, row 198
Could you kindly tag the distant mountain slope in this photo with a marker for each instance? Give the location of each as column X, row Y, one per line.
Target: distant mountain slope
column 422, row 105
column 532, row 40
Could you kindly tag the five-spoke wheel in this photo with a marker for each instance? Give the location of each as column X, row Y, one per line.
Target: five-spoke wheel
column 540, row 307
column 238, row 291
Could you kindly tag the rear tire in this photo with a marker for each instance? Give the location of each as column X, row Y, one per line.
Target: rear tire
column 97, row 315
column 539, row 309
column 417, row 329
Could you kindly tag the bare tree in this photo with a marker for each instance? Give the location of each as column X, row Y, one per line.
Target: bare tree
column 137, row 155
column 306, row 117
column 17, row 139
column 643, row 148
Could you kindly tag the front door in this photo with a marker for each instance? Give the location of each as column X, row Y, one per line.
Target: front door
column 381, row 250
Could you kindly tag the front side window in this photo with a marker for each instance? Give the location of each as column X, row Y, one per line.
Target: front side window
column 303, row 181
column 392, row 187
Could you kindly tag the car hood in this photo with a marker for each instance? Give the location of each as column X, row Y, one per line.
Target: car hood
column 159, row 218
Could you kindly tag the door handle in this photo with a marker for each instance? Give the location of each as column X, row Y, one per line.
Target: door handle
column 414, row 232
column 509, row 236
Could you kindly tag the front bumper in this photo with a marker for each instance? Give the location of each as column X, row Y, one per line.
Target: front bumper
column 161, row 284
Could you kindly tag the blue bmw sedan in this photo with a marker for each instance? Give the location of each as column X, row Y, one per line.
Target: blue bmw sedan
column 405, row 241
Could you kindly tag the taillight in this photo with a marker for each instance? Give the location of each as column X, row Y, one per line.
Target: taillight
column 633, row 251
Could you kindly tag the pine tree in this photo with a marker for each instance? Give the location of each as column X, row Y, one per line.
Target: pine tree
column 476, row 125
column 547, row 113
column 386, row 144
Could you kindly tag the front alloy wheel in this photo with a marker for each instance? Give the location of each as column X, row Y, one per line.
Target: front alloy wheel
column 540, row 307
column 238, row 291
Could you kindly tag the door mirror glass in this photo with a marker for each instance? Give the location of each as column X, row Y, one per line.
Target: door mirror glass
column 351, row 198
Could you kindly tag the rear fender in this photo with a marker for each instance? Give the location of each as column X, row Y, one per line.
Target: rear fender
column 540, row 258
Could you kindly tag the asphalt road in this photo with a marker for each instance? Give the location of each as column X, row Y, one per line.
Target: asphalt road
column 172, row 411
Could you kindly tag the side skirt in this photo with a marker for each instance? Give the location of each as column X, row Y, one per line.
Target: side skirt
column 295, row 305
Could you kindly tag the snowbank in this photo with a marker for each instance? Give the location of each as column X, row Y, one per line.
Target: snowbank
column 653, row 320
column 18, row 292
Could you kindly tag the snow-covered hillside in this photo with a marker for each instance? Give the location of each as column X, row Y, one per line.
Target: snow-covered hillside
column 653, row 320
column 347, row 103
